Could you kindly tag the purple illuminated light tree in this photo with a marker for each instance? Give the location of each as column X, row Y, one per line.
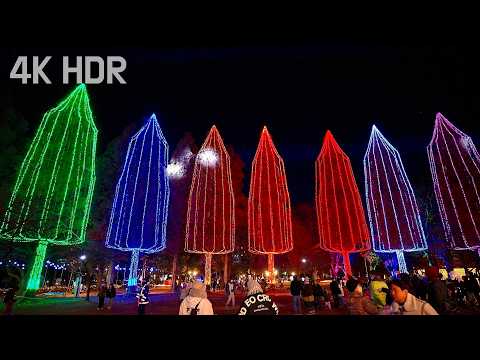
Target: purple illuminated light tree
column 455, row 167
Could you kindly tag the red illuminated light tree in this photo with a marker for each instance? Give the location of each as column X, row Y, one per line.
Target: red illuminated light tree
column 211, row 205
column 340, row 215
column 269, row 212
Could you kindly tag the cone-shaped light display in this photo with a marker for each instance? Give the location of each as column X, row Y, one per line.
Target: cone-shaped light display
column 393, row 214
column 455, row 167
column 140, row 208
column 52, row 196
column 269, row 210
column 341, row 219
column 211, row 205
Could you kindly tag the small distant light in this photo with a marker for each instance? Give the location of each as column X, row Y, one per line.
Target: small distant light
column 83, row 257
column 304, row 260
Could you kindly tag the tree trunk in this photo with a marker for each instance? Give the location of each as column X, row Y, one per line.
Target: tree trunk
column 36, row 272
column 226, row 276
column 208, row 268
column 174, row 271
column 271, row 268
column 346, row 264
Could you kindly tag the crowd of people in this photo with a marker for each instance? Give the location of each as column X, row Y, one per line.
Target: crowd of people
column 404, row 294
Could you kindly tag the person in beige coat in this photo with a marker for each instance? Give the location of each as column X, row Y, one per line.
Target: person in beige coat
column 196, row 302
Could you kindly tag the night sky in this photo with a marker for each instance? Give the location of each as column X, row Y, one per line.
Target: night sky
column 299, row 90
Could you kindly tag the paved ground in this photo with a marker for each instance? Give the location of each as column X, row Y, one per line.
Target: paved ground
column 160, row 304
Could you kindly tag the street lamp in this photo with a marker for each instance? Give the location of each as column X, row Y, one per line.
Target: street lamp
column 83, row 257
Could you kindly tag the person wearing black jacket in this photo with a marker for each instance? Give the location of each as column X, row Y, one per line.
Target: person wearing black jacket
column 336, row 292
column 256, row 302
column 308, row 297
column 142, row 296
column 437, row 294
column 319, row 295
column 111, row 293
column 295, row 290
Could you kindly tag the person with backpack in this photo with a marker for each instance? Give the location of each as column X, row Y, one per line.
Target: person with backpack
column 230, row 292
column 196, row 302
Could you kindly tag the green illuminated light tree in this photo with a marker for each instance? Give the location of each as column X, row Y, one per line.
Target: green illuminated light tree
column 51, row 199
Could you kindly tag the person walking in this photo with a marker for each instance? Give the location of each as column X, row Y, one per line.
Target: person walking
column 295, row 290
column 111, row 293
column 256, row 302
column 358, row 304
column 142, row 296
column 9, row 300
column 196, row 302
column 230, row 289
column 407, row 304
column 101, row 297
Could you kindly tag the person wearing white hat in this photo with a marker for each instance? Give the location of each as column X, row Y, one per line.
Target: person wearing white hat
column 196, row 302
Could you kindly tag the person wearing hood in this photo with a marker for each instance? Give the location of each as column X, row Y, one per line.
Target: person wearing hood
column 196, row 302
column 256, row 302
column 378, row 293
column 357, row 303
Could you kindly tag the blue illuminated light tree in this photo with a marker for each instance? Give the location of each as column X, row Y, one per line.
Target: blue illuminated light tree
column 393, row 213
column 140, row 207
